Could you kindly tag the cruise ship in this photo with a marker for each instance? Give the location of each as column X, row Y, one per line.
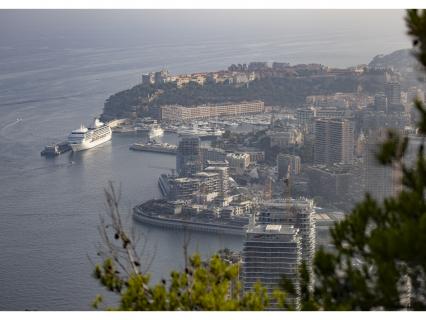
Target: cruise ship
column 156, row 131
column 86, row 138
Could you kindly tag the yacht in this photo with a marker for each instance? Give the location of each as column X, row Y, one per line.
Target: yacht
column 200, row 131
column 155, row 131
column 86, row 138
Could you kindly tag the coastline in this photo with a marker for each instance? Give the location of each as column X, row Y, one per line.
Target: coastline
column 178, row 224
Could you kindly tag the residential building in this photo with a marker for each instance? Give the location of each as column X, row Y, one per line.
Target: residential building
column 212, row 154
column 184, row 188
column 270, row 252
column 285, row 137
column 179, row 113
column 393, row 92
column 299, row 213
column 223, row 173
column 334, row 141
column 209, row 181
column 238, row 162
column 381, row 102
column 381, row 181
column 305, row 119
column 332, row 183
column 284, row 161
column 188, row 157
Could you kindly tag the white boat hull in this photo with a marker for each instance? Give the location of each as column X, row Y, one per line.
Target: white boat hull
column 155, row 134
column 88, row 145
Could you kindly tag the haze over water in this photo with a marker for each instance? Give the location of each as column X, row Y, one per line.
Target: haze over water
column 56, row 70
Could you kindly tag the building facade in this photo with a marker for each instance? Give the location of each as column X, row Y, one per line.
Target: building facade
column 393, row 93
column 223, row 173
column 381, row 102
column 299, row 213
column 334, row 141
column 213, row 154
column 270, row 252
column 238, row 162
column 188, row 157
column 179, row 113
column 381, row 181
column 285, row 161
column 332, row 183
column 183, row 188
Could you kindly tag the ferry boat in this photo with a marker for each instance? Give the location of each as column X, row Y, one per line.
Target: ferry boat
column 155, row 131
column 55, row 149
column 86, row 138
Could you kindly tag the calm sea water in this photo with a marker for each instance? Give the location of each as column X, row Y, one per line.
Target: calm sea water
column 50, row 208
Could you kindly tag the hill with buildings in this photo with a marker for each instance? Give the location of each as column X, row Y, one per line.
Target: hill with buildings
column 279, row 84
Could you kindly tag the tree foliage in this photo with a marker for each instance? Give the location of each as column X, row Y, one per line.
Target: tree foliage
column 202, row 286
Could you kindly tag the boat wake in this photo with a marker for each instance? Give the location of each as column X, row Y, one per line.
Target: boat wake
column 5, row 127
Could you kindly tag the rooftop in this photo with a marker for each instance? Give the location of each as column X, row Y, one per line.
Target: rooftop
column 289, row 202
column 274, row 229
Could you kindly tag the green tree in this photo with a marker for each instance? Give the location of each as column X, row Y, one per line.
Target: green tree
column 380, row 257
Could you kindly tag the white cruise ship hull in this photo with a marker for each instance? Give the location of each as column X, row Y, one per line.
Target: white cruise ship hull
column 89, row 144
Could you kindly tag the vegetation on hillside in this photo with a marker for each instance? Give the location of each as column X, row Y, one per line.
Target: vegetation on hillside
column 287, row 91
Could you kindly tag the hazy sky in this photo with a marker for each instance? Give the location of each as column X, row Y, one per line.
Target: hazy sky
column 212, row 24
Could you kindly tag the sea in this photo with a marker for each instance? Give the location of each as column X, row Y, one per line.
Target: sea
column 50, row 83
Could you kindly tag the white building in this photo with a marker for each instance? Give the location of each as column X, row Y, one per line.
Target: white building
column 238, row 162
column 270, row 252
column 297, row 212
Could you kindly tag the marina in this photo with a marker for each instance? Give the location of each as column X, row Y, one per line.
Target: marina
column 200, row 131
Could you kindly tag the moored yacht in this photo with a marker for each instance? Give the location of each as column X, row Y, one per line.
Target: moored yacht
column 155, row 131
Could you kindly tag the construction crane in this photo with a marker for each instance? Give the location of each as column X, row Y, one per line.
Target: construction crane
column 287, row 183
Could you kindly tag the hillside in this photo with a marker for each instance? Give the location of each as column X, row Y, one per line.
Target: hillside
column 400, row 60
column 288, row 91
